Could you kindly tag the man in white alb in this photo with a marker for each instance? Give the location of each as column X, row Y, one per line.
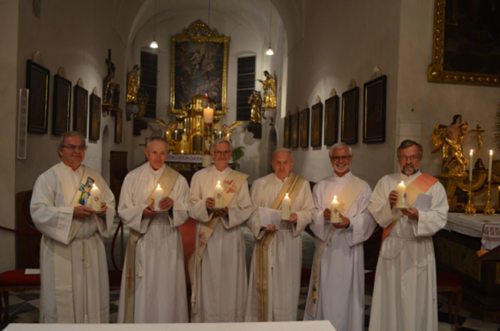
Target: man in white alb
column 74, row 209
column 404, row 296
column 336, row 290
column 274, row 287
column 220, row 203
column 153, row 203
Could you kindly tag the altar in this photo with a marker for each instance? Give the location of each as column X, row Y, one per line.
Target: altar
column 457, row 247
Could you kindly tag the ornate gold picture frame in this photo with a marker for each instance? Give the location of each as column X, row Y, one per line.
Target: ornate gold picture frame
column 199, row 61
column 463, row 51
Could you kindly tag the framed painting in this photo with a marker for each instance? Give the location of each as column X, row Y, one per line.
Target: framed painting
column 286, row 131
column 37, row 81
column 349, row 121
column 199, row 61
column 118, row 126
column 374, row 110
column 316, row 124
column 294, row 130
column 95, row 118
column 465, row 43
column 61, row 106
column 304, row 127
column 80, row 109
column 331, row 128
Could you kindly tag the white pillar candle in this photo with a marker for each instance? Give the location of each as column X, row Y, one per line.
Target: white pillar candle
column 471, row 160
column 219, row 203
column 157, row 196
column 401, row 189
column 334, row 209
column 94, row 200
column 285, row 207
column 490, row 165
column 208, row 115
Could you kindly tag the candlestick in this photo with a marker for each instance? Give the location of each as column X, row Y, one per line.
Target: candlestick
column 490, row 165
column 488, row 208
column 471, row 160
column 94, row 200
column 469, row 208
column 219, row 203
column 401, row 189
column 334, row 209
column 285, row 208
column 157, row 196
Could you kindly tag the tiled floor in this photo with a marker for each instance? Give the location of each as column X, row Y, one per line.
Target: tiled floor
column 24, row 309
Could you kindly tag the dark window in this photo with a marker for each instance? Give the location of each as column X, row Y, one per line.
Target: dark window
column 245, row 86
column 149, row 70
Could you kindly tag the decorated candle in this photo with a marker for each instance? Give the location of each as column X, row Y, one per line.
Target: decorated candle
column 157, row 196
column 334, row 209
column 219, row 203
column 94, row 201
column 401, row 189
column 285, row 207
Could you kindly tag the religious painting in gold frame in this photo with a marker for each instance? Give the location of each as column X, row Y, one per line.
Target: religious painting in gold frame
column 465, row 43
column 199, row 61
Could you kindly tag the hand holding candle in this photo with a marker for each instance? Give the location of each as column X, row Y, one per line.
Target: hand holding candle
column 285, row 208
column 334, row 210
column 219, row 203
column 157, row 196
column 401, row 189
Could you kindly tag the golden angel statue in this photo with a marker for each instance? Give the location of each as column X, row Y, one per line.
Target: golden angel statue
column 448, row 139
column 133, row 84
column 227, row 131
column 269, row 87
column 255, row 102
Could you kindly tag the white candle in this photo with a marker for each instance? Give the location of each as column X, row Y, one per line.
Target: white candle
column 219, row 203
column 285, row 207
column 401, row 189
column 94, row 200
column 220, row 134
column 208, row 115
column 471, row 160
column 157, row 196
column 334, row 209
column 490, row 165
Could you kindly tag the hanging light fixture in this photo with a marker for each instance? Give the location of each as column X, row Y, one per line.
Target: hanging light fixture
column 154, row 43
column 270, row 51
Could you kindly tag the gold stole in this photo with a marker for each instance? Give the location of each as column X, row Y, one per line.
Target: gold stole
column 63, row 274
column 230, row 186
column 167, row 181
column 421, row 184
column 292, row 186
column 349, row 194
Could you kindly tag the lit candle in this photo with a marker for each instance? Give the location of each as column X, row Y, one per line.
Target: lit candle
column 401, row 189
column 471, row 159
column 157, row 196
column 285, row 208
column 219, row 203
column 208, row 115
column 182, row 151
column 334, row 209
column 94, row 200
column 490, row 164
column 220, row 134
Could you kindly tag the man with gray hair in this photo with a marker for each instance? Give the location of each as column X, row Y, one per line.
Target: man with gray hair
column 274, row 287
column 404, row 296
column 74, row 209
column 341, row 225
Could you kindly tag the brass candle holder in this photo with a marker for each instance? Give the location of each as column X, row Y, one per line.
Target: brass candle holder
column 488, row 208
column 469, row 208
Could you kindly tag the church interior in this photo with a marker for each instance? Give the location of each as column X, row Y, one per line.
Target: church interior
column 328, row 55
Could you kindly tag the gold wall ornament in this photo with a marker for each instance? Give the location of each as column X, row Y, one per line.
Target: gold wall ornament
column 269, row 85
column 455, row 57
column 199, row 62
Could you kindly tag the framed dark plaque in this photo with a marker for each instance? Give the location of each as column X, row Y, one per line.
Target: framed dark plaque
column 316, row 124
column 304, row 127
column 331, row 129
column 80, row 109
column 61, row 106
column 37, row 81
column 349, row 121
column 374, row 109
column 95, row 118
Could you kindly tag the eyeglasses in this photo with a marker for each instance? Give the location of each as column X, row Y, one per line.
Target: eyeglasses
column 222, row 152
column 410, row 158
column 79, row 148
column 343, row 158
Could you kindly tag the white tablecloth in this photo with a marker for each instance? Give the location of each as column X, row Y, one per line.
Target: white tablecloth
column 470, row 225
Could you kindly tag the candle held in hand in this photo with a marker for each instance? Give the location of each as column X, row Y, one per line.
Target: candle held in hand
column 285, row 208
column 334, row 209
column 401, row 189
column 157, row 196
column 219, row 203
column 94, row 200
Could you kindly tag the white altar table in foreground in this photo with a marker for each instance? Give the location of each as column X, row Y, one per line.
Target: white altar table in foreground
column 247, row 326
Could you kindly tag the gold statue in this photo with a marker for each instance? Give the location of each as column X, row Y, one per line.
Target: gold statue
column 449, row 139
column 255, row 101
column 133, row 84
column 227, row 131
column 269, row 87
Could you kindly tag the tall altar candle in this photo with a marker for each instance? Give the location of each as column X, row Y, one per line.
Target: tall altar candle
column 471, row 160
column 285, row 207
column 490, row 164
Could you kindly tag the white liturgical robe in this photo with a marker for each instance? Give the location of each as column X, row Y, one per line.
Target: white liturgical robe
column 404, row 296
column 284, row 253
column 222, row 291
column 74, row 272
column 341, row 292
column 160, row 285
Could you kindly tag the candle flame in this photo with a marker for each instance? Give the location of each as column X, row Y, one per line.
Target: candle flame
column 471, row 152
column 158, row 186
column 491, row 152
column 335, row 199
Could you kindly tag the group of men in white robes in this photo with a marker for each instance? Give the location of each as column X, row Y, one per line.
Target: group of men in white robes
column 155, row 200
